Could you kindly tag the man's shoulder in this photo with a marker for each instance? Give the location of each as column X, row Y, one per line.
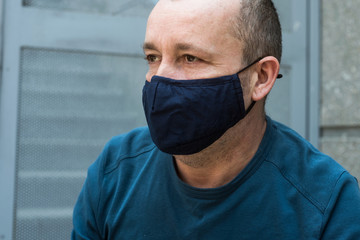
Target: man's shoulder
column 291, row 150
column 314, row 174
column 134, row 141
column 127, row 146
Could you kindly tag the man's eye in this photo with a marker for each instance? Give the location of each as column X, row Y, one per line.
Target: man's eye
column 151, row 58
column 190, row 58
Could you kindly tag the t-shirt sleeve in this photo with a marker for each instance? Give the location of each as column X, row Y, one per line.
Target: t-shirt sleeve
column 85, row 215
column 342, row 215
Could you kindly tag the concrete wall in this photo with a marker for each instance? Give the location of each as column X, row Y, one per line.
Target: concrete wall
column 340, row 85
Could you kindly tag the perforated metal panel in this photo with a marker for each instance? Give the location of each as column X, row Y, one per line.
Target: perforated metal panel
column 71, row 103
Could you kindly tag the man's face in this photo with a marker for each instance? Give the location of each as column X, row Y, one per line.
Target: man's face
column 192, row 39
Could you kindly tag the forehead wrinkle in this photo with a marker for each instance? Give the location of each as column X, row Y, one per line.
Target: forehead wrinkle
column 189, row 46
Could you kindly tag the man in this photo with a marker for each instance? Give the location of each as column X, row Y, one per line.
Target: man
column 211, row 165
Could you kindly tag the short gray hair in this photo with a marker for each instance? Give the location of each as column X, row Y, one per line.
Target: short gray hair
column 257, row 25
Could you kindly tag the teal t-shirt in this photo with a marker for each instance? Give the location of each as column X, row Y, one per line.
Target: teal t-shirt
column 289, row 190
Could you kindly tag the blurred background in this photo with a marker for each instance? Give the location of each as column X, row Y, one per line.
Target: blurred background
column 72, row 73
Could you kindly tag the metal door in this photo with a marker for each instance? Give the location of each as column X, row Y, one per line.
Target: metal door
column 72, row 79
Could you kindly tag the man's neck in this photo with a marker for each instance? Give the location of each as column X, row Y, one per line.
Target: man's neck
column 221, row 162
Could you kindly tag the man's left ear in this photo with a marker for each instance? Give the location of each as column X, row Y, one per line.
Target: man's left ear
column 267, row 71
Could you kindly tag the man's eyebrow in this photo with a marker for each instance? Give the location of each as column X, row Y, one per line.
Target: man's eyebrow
column 187, row 46
column 149, row 46
column 178, row 47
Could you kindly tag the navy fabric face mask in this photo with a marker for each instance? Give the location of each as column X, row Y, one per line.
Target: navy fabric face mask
column 186, row 116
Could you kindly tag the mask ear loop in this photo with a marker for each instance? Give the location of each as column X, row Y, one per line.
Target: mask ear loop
column 248, row 66
column 257, row 60
column 250, row 107
column 253, row 102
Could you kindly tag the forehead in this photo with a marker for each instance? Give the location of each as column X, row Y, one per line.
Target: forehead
column 192, row 20
column 195, row 8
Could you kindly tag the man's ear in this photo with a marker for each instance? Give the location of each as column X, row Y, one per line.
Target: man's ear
column 267, row 71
